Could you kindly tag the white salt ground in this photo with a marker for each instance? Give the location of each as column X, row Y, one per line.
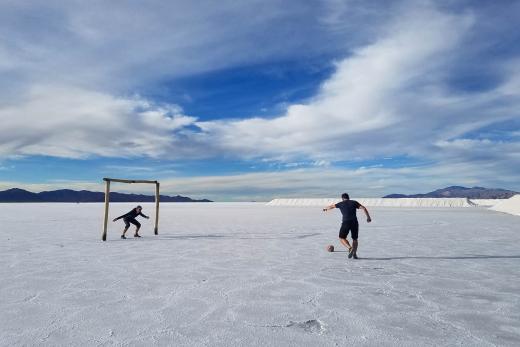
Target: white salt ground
column 256, row 275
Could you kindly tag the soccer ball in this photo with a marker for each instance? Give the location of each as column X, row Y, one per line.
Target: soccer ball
column 330, row 248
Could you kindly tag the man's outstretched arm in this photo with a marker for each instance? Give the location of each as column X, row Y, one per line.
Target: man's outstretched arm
column 141, row 214
column 122, row 216
column 115, row 219
column 366, row 213
column 330, row 207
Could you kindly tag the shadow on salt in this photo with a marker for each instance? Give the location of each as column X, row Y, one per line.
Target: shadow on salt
column 238, row 236
column 450, row 258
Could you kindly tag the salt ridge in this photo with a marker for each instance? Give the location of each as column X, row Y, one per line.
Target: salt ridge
column 511, row 206
column 486, row 202
column 381, row 202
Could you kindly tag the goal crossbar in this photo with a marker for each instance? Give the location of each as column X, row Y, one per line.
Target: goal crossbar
column 106, row 179
column 107, row 201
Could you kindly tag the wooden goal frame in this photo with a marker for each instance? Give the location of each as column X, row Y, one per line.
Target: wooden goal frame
column 107, row 201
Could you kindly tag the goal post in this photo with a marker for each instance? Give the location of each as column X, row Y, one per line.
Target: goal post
column 107, row 201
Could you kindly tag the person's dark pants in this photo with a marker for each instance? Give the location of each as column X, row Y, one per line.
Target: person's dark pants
column 349, row 226
column 132, row 221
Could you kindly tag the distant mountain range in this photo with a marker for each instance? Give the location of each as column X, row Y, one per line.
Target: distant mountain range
column 67, row 195
column 461, row 192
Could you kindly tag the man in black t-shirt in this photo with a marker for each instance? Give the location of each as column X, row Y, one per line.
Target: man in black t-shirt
column 350, row 223
column 130, row 218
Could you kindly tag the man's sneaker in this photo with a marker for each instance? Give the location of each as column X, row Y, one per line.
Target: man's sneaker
column 355, row 256
column 123, row 236
column 137, row 235
column 350, row 253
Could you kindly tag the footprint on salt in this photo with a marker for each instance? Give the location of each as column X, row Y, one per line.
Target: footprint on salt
column 311, row 326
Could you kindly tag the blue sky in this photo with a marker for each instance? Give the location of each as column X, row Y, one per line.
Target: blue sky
column 260, row 99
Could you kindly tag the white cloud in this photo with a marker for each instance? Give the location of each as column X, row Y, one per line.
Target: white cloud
column 77, row 123
column 321, row 163
column 378, row 101
column 387, row 99
column 114, row 46
column 325, row 182
column 503, row 155
column 64, row 62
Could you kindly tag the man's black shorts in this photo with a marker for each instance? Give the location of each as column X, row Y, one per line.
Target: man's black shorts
column 131, row 220
column 349, row 225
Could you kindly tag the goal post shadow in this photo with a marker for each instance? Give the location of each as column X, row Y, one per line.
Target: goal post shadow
column 107, row 201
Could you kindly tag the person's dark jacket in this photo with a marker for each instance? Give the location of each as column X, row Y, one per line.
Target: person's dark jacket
column 131, row 215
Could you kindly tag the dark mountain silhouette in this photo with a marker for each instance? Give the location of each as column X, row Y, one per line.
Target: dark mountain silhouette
column 461, row 192
column 67, row 195
column 16, row 194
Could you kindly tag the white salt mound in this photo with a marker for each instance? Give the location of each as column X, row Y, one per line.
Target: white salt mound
column 485, row 202
column 382, row 202
column 511, row 206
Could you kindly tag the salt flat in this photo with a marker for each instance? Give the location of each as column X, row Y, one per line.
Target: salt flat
column 254, row 275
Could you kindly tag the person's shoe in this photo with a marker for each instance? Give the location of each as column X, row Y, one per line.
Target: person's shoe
column 350, row 253
column 123, row 236
column 355, row 256
column 137, row 235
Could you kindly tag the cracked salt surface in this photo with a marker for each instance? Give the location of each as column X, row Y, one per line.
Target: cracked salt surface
column 255, row 275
